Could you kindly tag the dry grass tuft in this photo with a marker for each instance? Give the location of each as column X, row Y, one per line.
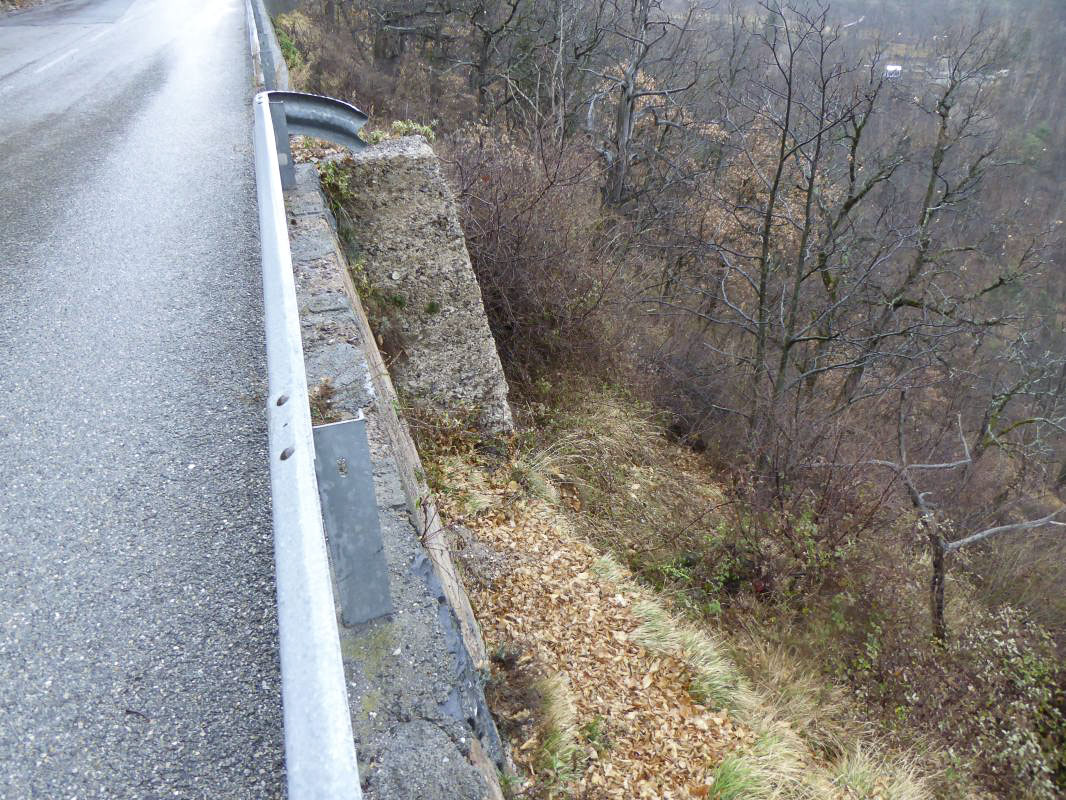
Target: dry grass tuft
column 674, row 714
column 558, row 713
column 322, row 397
column 861, row 773
column 773, row 762
column 815, row 707
column 716, row 681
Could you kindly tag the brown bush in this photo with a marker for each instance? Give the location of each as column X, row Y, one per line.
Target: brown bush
column 542, row 250
column 339, row 61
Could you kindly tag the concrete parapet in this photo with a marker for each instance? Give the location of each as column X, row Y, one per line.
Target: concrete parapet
column 406, row 228
column 419, row 716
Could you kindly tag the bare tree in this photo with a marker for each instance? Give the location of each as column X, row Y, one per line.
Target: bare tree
column 933, row 519
column 649, row 58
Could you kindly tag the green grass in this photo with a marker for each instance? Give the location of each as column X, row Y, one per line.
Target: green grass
column 294, row 59
column 733, row 780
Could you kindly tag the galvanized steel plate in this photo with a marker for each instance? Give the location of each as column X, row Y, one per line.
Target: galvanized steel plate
column 350, row 516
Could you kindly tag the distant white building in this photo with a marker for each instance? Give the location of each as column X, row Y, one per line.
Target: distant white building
column 893, row 71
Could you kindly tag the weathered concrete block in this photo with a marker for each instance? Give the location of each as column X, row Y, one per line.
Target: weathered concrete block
column 410, row 766
column 405, row 224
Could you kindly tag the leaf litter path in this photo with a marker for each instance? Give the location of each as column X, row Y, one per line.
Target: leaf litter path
column 637, row 730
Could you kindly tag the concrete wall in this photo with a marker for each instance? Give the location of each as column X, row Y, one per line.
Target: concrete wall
column 422, row 727
column 405, row 227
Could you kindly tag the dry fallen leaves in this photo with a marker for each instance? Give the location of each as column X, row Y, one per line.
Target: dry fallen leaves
column 659, row 742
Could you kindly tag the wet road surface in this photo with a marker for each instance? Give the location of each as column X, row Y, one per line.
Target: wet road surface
column 137, row 624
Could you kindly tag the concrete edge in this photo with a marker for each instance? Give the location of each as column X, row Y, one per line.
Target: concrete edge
column 419, row 498
column 272, row 60
column 420, row 502
column 421, row 509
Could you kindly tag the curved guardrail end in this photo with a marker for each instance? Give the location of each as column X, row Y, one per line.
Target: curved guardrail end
column 323, row 117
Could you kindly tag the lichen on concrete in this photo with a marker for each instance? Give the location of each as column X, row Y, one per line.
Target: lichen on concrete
column 405, row 228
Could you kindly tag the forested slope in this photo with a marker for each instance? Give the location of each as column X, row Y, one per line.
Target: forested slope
column 842, row 285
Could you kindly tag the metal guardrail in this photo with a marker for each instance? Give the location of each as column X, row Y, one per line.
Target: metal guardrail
column 274, row 71
column 313, row 115
column 320, row 760
column 320, row 756
column 324, row 117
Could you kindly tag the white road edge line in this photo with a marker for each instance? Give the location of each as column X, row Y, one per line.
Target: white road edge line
column 55, row 61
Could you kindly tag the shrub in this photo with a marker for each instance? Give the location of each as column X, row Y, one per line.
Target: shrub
column 539, row 246
column 294, row 59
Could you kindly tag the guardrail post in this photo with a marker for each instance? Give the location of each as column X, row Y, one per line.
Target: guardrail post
column 281, row 142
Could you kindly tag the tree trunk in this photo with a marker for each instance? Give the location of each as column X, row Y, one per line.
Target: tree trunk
column 479, row 80
column 623, row 126
column 936, row 584
column 929, row 212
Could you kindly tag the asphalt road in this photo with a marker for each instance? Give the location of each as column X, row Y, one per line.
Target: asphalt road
column 137, row 624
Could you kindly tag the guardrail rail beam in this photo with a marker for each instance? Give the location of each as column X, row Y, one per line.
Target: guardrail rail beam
column 320, row 756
